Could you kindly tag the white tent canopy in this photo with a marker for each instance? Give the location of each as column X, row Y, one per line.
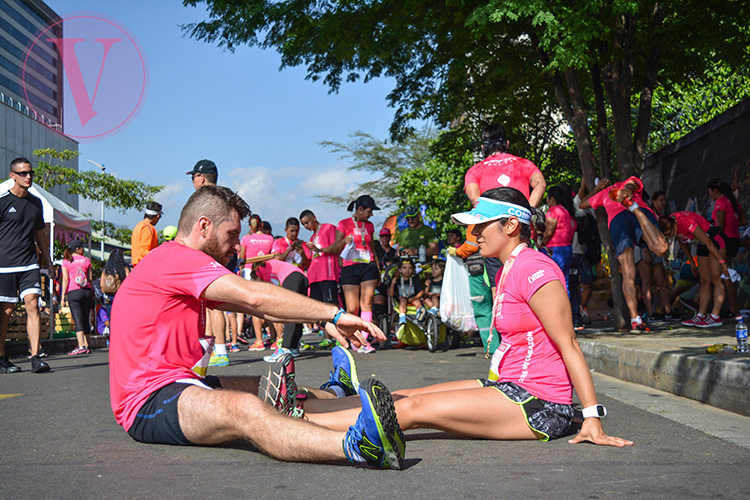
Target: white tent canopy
column 67, row 219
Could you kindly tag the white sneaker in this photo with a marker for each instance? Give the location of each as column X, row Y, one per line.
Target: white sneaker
column 272, row 358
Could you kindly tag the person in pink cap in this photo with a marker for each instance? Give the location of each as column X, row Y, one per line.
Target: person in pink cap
column 360, row 272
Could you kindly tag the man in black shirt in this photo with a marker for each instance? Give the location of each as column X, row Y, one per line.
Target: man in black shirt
column 21, row 232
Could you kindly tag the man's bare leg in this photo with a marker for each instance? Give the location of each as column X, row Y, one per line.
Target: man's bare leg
column 7, row 310
column 627, row 269
column 654, row 238
column 33, row 322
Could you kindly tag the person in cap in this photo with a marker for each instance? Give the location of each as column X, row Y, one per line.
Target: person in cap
column 145, row 237
column 386, row 253
column 204, row 173
column 528, row 392
column 169, row 233
column 416, row 235
column 360, row 271
column 77, row 293
column 21, row 234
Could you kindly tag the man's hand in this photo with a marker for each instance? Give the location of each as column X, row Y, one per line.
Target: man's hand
column 350, row 327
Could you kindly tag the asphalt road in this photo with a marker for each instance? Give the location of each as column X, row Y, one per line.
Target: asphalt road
column 58, row 439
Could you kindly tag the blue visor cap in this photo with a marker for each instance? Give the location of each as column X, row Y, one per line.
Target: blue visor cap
column 488, row 210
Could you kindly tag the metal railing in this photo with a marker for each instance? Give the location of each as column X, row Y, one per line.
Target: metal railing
column 23, row 108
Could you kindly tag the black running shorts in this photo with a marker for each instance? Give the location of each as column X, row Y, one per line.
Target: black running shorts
column 158, row 422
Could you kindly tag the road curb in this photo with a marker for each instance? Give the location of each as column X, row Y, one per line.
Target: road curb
column 718, row 381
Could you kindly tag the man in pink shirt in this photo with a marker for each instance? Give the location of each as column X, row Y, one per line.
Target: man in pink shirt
column 290, row 248
column 159, row 352
column 501, row 169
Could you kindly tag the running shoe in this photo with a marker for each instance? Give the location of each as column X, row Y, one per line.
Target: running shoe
column 272, row 358
column 78, row 350
column 41, row 354
column 578, row 327
column 585, row 315
column 218, row 359
column 366, row 349
column 732, row 316
column 234, row 348
column 7, row 367
column 276, row 344
column 709, row 321
column 690, row 304
column 38, row 365
column 258, row 345
column 325, row 344
column 376, row 438
column 421, row 313
column 692, row 321
column 242, row 340
column 626, row 202
column 278, row 387
column 636, row 327
column 344, row 372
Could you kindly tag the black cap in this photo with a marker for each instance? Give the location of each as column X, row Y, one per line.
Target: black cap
column 204, row 167
column 75, row 245
column 366, row 201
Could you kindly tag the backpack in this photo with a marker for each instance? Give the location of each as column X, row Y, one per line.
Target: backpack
column 79, row 276
column 110, row 283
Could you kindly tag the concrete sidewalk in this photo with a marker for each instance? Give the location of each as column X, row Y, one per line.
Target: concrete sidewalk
column 671, row 358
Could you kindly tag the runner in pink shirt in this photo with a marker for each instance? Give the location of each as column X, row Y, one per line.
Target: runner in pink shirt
column 254, row 244
column 728, row 216
column 323, row 273
column 631, row 222
column 712, row 254
column 360, row 273
column 528, row 392
column 559, row 228
column 499, row 168
column 159, row 353
column 77, row 293
column 290, row 248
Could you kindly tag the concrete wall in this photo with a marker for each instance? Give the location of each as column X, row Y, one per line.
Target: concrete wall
column 718, row 149
column 20, row 135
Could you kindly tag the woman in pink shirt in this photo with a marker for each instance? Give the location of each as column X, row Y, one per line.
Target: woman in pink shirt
column 712, row 254
column 728, row 216
column 254, row 244
column 528, row 394
column 559, row 228
column 360, row 271
column 76, row 292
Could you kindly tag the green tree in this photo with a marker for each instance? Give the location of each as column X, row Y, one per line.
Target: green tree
column 597, row 62
column 120, row 194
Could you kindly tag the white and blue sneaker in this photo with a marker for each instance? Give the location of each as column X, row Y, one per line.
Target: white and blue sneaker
column 376, row 438
column 272, row 358
column 344, row 374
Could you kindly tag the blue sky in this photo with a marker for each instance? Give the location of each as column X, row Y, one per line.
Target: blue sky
column 260, row 125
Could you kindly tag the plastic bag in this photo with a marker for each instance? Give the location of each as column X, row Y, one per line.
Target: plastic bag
column 349, row 252
column 455, row 299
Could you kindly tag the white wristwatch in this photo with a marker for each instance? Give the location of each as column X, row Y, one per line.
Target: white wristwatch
column 597, row 411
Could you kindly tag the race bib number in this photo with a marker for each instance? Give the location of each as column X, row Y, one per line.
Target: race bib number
column 497, row 357
column 207, row 343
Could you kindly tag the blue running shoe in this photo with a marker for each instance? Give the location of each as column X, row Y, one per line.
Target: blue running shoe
column 344, row 372
column 376, row 438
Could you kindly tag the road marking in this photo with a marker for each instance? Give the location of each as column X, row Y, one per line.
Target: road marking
column 5, row 396
column 713, row 421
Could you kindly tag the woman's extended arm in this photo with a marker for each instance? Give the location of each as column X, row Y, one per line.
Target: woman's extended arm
column 551, row 305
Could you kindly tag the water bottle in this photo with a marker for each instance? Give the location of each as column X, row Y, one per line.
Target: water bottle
column 741, row 331
column 422, row 254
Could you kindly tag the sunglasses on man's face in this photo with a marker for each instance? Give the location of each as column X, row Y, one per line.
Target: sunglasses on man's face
column 24, row 173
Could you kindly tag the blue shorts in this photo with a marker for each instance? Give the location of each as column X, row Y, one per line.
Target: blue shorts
column 626, row 232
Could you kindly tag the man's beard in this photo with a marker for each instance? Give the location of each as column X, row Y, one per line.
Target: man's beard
column 212, row 248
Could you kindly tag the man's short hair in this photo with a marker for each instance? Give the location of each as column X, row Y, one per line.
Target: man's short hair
column 153, row 210
column 292, row 221
column 306, row 213
column 19, row 161
column 456, row 233
column 214, row 202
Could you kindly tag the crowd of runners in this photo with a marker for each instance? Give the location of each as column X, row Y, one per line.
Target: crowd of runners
column 183, row 307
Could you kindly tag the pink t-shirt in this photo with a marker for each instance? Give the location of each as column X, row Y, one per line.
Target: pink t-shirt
column 277, row 271
column 256, row 244
column 362, row 235
column 78, row 271
column 565, row 229
column 158, row 326
column 686, row 223
column 281, row 244
column 613, row 209
column 532, row 360
column 731, row 217
column 324, row 266
column 501, row 170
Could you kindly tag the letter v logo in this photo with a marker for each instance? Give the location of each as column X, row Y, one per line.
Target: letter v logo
column 67, row 48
